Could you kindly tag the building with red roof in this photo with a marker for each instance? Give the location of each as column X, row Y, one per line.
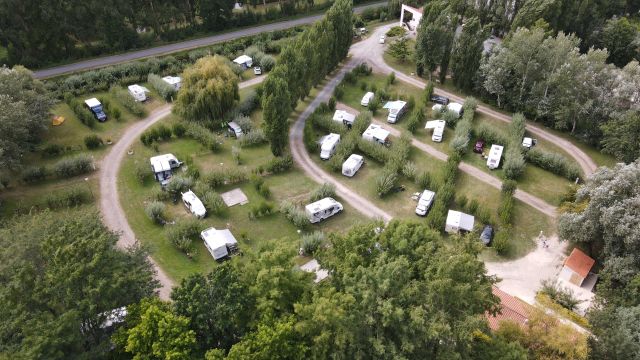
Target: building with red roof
column 511, row 308
column 576, row 267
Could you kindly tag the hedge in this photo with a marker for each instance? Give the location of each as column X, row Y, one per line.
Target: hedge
column 202, row 135
column 74, row 196
column 554, row 163
column 166, row 91
column 261, row 209
column 252, row 138
column 155, row 212
column 125, row 99
column 310, row 243
column 323, row 191
column 297, row 216
column 489, row 135
column 73, row 166
column 183, row 233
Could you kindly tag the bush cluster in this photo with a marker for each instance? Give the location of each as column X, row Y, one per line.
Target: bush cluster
column 323, row 191
column 254, row 137
column 309, row 137
column 416, row 119
column 230, row 176
column 500, row 242
column 325, row 122
column 127, row 101
column 178, row 184
column 279, row 164
column 33, row 174
column 166, row 91
column 214, row 203
column 74, row 196
column 514, row 159
column 202, row 135
column 261, row 209
column 92, row 141
column 80, row 111
column 554, row 163
column 52, row 150
column 386, row 181
column 396, row 31
column 294, row 214
column 445, row 193
column 260, row 186
column 460, row 142
column 310, row 243
column 155, row 212
column 183, row 233
column 489, row 135
column 560, row 295
column 73, row 166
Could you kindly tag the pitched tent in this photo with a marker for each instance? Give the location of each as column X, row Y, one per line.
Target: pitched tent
column 244, row 61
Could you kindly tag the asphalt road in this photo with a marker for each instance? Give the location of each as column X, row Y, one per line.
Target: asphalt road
column 184, row 45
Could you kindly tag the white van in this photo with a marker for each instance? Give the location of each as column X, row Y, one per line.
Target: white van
column 322, row 209
column 139, row 93
column 193, row 204
column 366, row 99
column 329, row 145
column 351, row 166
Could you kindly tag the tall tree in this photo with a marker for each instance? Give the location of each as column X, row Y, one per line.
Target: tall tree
column 399, row 49
column 271, row 341
column 467, row 54
column 276, row 105
column 621, row 136
column 216, row 14
column 621, row 39
column 433, row 42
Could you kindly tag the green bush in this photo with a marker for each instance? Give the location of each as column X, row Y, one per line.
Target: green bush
column 52, row 150
column 554, row 163
column 297, row 216
column 81, row 112
column 166, row 91
column 179, row 184
column 248, row 104
column 261, row 209
column 374, row 150
column 409, row 170
column 424, row 180
column 473, row 206
column 267, row 62
column 416, row 119
column 33, row 174
column 323, row 191
column 178, row 130
column 338, row 93
column 391, row 78
column 73, row 166
column 74, row 196
column 428, row 92
column 279, row 164
column 462, row 201
column 254, row 137
column 505, row 210
column 125, row 99
column 501, row 241
column 560, row 295
column 260, row 186
column 385, row 182
column 183, row 233
column 396, row 31
column 309, row 137
column 361, row 123
column 310, row 243
column 513, row 163
column 489, row 135
column 214, row 203
column 244, row 122
column 92, row 141
column 163, row 132
column 236, row 154
column 509, row 187
column 202, row 135
column 326, row 122
column 155, row 212
column 142, row 171
column 374, row 104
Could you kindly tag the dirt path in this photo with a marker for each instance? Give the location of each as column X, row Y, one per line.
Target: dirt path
column 375, row 58
column 493, row 181
column 113, row 215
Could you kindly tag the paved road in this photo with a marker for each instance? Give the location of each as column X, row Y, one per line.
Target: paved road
column 113, row 215
column 375, row 59
column 184, row 45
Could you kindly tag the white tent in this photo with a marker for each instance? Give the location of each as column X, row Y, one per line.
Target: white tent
column 344, row 117
column 376, row 133
column 457, row 221
column 244, row 60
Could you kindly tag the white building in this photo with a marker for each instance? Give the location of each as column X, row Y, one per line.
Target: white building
column 344, row 117
column 174, row 81
column 162, row 167
column 458, row 221
column 376, row 133
column 244, row 60
column 416, row 16
column 220, row 243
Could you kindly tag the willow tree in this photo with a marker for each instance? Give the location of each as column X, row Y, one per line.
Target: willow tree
column 209, row 89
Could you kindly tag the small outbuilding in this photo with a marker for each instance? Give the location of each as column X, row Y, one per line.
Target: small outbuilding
column 376, row 133
column 344, row 117
column 576, row 267
column 174, row 81
column 458, row 221
column 162, row 167
column 193, row 204
column 220, row 243
column 244, row 61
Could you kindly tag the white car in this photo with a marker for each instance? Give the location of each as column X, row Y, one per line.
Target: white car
column 257, row 70
column 382, row 38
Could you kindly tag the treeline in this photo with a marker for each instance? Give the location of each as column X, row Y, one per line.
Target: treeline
column 303, row 63
column 36, row 33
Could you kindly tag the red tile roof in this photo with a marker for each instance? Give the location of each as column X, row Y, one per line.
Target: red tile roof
column 510, row 309
column 579, row 262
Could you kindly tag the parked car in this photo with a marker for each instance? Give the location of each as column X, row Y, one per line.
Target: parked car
column 257, row 70
column 440, row 99
column 382, row 38
column 486, row 235
column 479, row 147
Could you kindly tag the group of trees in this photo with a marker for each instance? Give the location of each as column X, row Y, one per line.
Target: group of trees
column 603, row 219
column 302, row 64
column 24, row 114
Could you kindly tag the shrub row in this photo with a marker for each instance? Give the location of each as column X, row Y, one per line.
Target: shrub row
column 514, row 159
column 252, row 138
column 554, row 163
column 183, row 233
column 279, row 164
column 73, row 166
column 220, row 178
column 489, row 135
column 74, row 196
column 323, row 191
column 261, row 209
column 460, row 142
column 166, row 91
column 294, row 214
column 80, row 111
column 445, row 193
column 125, row 99
column 202, row 135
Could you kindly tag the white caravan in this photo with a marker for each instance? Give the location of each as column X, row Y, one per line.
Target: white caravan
column 220, row 243
column 528, row 142
column 344, row 117
column 458, row 221
column 235, row 129
column 495, row 154
column 193, row 204
column 366, row 99
column 438, row 129
column 424, row 202
column 174, row 81
column 453, row 106
column 396, row 110
column 376, row 133
column 139, row 93
column 329, row 145
column 351, row 166
column 162, row 166
column 322, row 209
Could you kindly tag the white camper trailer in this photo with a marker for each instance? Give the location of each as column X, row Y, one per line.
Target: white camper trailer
column 351, row 166
column 495, row 154
column 138, row 92
column 235, row 129
column 162, row 166
column 458, row 221
column 453, row 106
column 174, row 81
column 244, row 61
column 528, row 143
column 344, row 117
column 424, row 202
column 322, row 209
column 329, row 145
column 366, row 99
column 220, row 243
column 193, row 204
column 438, row 129
column 396, row 110
column 376, row 133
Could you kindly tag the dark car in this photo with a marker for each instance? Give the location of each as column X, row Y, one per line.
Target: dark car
column 487, row 235
column 479, row 147
column 440, row 99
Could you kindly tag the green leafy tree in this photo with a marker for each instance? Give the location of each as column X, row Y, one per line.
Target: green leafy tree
column 276, row 105
column 277, row 341
column 620, row 38
column 433, row 43
column 216, row 14
column 399, row 49
column 621, row 136
column 467, row 54
column 209, row 89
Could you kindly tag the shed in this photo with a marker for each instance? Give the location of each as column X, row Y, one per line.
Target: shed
column 244, row 60
column 576, row 267
column 344, row 117
column 376, row 133
column 174, row 81
column 458, row 221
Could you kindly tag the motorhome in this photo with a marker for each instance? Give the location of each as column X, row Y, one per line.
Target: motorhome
column 424, row 202
column 95, row 107
column 322, row 209
column 344, row 117
column 366, row 99
column 162, row 167
column 234, row 129
column 329, row 145
column 351, row 166
column 139, row 93
column 438, row 129
column 193, row 204
column 452, row 106
column 396, row 110
column 458, row 221
column 220, row 243
column 174, row 81
column 495, row 154
column 376, row 133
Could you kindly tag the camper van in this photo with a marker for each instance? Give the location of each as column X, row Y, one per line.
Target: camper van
column 366, row 98
column 351, row 166
column 329, row 145
column 396, row 110
column 453, row 107
column 220, row 243
column 438, row 129
column 174, row 81
column 193, row 204
column 162, row 167
column 322, row 209
column 528, row 143
column 234, row 129
column 139, row 93
column 458, row 221
column 424, row 202
column 376, row 133
column 96, row 109
column 495, row 154
column 344, row 117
